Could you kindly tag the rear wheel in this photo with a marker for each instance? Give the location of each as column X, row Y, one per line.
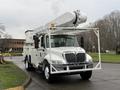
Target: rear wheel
column 28, row 65
column 86, row 75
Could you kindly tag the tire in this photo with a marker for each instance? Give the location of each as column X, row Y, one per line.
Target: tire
column 86, row 75
column 28, row 65
column 47, row 74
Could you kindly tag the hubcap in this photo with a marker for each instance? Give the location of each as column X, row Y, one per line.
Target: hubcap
column 47, row 73
column 26, row 65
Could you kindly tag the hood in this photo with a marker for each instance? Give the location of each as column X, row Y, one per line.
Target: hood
column 57, row 53
column 67, row 49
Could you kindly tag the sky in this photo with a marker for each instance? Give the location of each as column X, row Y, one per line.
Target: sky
column 20, row 15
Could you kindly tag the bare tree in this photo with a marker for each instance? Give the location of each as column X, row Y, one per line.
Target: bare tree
column 109, row 27
column 110, row 30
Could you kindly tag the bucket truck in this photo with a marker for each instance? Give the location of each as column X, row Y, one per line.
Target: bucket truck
column 53, row 48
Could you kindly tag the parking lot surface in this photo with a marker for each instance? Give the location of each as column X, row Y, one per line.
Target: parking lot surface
column 108, row 78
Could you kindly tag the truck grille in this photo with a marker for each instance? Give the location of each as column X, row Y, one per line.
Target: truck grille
column 73, row 58
column 80, row 57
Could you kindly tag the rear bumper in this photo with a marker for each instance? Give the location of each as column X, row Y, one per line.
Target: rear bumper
column 73, row 68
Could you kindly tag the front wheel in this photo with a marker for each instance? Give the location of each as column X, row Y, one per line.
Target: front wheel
column 86, row 75
column 47, row 74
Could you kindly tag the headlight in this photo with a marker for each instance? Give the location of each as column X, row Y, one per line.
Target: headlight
column 56, row 62
column 88, row 58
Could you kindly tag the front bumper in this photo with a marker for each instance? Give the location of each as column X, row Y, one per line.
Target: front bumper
column 70, row 68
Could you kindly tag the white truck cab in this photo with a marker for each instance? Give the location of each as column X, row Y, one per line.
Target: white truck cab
column 55, row 50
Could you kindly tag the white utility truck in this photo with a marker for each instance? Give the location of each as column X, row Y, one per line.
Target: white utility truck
column 53, row 48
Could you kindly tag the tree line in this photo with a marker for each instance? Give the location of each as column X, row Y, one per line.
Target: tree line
column 109, row 27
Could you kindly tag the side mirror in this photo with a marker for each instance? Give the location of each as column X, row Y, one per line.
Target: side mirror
column 42, row 42
column 82, row 42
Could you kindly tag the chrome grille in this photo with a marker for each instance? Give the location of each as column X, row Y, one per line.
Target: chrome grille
column 73, row 58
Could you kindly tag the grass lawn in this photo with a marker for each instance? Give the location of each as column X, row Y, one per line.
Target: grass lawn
column 12, row 54
column 11, row 76
column 106, row 57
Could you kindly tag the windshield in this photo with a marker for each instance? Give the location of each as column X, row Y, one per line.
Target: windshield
column 63, row 41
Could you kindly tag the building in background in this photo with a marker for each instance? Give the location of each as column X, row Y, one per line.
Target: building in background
column 7, row 44
column 11, row 45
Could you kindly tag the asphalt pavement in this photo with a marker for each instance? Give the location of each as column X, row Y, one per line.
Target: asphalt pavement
column 108, row 78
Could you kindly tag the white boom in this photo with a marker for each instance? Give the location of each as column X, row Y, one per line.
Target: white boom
column 69, row 19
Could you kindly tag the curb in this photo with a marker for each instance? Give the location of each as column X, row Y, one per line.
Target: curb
column 24, row 85
column 27, row 82
column 16, row 88
column 109, row 62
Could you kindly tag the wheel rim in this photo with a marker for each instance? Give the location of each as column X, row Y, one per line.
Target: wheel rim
column 47, row 73
column 26, row 65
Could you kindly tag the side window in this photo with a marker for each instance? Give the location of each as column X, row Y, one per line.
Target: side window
column 42, row 42
column 47, row 42
column 36, row 41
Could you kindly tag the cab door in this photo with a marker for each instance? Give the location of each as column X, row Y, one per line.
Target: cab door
column 43, row 48
column 35, row 56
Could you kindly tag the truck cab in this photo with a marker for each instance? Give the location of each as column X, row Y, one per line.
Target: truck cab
column 57, row 54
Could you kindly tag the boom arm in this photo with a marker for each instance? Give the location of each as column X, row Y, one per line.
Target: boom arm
column 69, row 19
